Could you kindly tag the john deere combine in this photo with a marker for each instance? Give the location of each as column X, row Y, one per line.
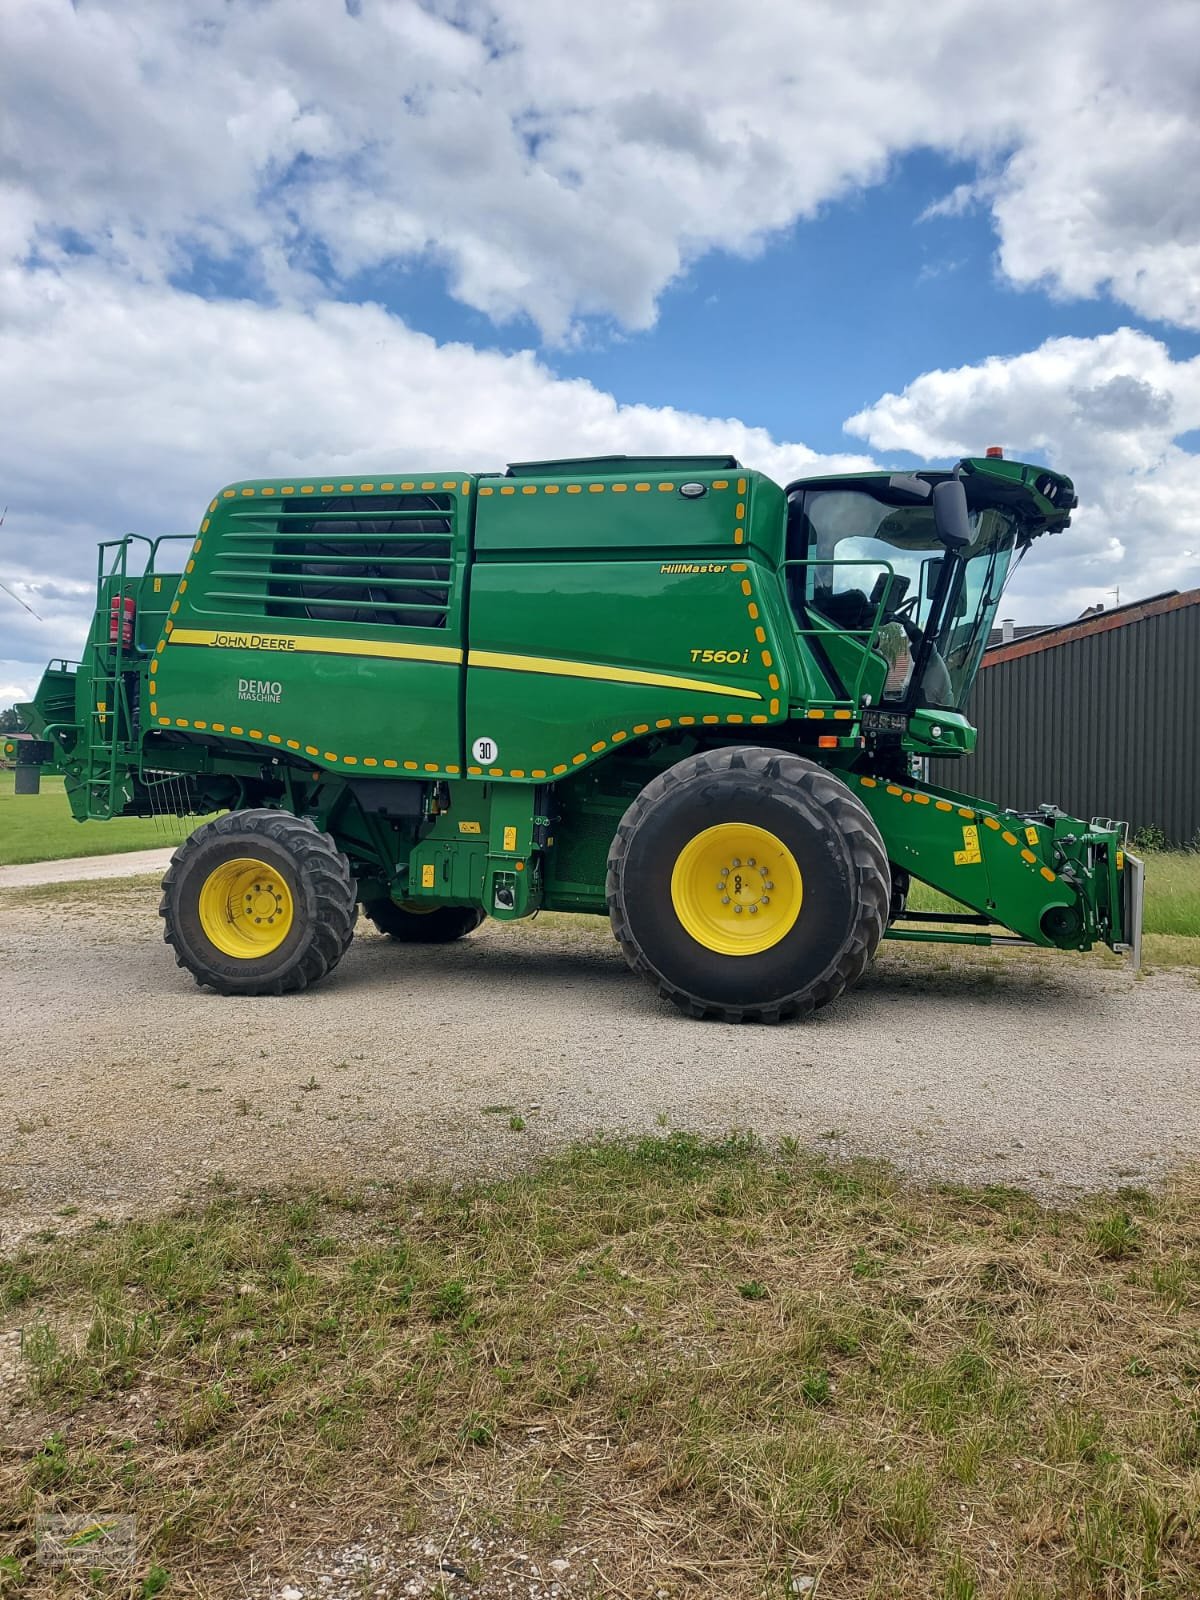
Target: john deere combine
column 662, row 688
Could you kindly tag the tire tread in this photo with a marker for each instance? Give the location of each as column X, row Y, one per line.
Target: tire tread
column 847, row 813
column 319, row 863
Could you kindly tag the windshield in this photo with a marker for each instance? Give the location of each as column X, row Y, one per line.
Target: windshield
column 974, row 598
column 869, row 560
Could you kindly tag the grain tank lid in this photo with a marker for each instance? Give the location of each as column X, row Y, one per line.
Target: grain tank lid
column 604, row 466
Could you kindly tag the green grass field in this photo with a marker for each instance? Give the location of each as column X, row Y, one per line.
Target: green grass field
column 41, row 828
column 1173, row 892
column 720, row 1370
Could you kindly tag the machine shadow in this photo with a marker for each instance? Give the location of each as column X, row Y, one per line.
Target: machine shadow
column 536, row 967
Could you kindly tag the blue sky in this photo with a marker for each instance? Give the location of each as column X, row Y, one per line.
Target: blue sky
column 285, row 236
column 826, row 316
column 842, row 309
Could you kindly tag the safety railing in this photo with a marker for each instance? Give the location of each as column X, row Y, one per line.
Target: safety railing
column 831, row 629
column 111, row 711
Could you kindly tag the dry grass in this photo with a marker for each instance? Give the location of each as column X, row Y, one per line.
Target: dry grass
column 138, row 894
column 719, row 1368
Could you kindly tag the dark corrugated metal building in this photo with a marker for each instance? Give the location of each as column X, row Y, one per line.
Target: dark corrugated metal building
column 1100, row 716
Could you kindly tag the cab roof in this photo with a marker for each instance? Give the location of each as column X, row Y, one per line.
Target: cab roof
column 1042, row 499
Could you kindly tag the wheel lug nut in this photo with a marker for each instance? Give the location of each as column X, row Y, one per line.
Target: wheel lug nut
column 736, row 862
column 766, row 900
column 750, row 861
column 738, row 909
column 725, row 900
column 768, row 885
column 753, row 911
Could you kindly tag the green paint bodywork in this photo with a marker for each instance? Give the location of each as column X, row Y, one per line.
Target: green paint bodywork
column 497, row 665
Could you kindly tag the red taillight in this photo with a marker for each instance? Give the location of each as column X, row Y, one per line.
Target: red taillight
column 995, row 452
column 120, row 619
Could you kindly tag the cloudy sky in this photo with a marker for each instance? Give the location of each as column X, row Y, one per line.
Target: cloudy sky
column 249, row 237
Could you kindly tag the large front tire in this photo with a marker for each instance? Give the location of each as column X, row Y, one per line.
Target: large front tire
column 748, row 884
column 258, row 902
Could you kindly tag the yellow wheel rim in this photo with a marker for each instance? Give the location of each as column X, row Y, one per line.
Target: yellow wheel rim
column 736, row 889
column 246, row 908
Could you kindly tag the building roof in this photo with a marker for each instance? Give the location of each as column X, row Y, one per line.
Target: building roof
column 1094, row 622
column 1019, row 631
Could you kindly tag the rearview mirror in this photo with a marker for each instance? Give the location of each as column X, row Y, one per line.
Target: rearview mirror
column 950, row 517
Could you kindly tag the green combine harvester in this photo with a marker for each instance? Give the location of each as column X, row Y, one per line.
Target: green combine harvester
column 663, row 688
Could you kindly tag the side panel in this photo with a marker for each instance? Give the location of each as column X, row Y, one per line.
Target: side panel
column 604, row 611
column 325, row 619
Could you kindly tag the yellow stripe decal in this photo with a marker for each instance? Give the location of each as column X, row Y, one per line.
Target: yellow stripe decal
column 602, row 673
column 302, row 644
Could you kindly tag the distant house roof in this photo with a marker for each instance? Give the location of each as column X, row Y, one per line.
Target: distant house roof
column 1029, row 641
column 1022, row 631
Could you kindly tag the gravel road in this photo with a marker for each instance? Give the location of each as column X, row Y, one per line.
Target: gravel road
column 77, row 869
column 125, row 1086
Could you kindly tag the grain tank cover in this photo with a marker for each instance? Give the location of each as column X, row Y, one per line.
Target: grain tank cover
column 601, row 465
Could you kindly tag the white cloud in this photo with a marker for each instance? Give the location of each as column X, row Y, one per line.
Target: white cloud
column 568, row 160
column 1108, row 192
column 125, row 406
column 1108, row 411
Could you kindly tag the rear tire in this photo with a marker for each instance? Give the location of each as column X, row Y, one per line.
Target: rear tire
column 258, row 902
column 748, row 884
column 438, row 925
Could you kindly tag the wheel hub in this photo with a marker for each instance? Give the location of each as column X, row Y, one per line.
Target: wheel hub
column 736, row 888
column 246, row 908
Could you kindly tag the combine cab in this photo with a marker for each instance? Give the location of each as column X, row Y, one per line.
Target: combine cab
column 663, row 688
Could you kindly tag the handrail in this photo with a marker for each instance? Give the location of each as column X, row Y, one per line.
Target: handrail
column 123, row 544
column 869, row 634
column 117, row 717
